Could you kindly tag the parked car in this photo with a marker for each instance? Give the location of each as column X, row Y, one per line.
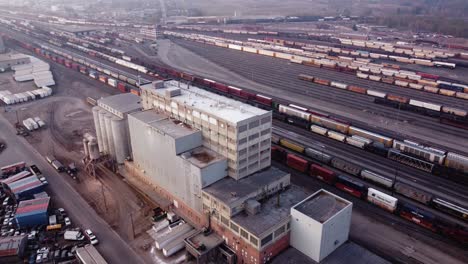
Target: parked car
column 67, row 221
column 92, row 238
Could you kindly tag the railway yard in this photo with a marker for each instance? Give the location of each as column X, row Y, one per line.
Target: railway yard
column 358, row 118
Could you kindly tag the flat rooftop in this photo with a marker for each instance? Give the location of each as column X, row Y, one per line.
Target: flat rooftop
column 210, row 242
column 213, row 104
column 12, row 56
column 202, row 157
column 123, row 103
column 322, row 205
column 164, row 124
column 230, row 191
column 342, row 255
column 271, row 214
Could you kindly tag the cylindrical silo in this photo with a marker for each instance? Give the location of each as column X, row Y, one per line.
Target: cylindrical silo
column 102, row 123
column 119, row 134
column 85, row 147
column 93, row 150
column 110, row 138
column 97, row 126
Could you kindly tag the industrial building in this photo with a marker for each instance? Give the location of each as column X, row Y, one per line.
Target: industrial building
column 24, row 188
column 11, row 59
column 236, row 130
column 172, row 156
column 110, row 121
column 320, row 224
column 207, row 157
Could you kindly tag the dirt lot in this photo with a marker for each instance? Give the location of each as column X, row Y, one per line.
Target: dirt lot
column 68, row 117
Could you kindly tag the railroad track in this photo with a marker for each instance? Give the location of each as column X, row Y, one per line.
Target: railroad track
column 386, row 167
column 279, row 79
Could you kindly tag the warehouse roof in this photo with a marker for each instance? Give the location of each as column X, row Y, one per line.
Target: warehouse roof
column 322, row 205
column 221, row 107
column 121, row 104
column 32, row 206
column 202, row 157
column 12, row 56
column 271, row 213
column 12, row 246
column 230, row 191
column 164, row 124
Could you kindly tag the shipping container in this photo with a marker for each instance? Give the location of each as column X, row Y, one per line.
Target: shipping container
column 382, row 200
column 263, row 99
column 418, row 216
column 297, row 163
column 319, row 130
column 377, row 179
column 357, row 89
column 396, row 98
column 317, row 155
column 413, row 193
column 322, row 173
column 346, row 166
column 306, row 77
column 339, row 85
column 387, row 141
column 329, row 123
column 351, row 186
column 321, row 81
column 292, row 145
column 336, row 136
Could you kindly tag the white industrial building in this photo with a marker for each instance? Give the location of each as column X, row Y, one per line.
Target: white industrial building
column 11, row 59
column 236, row 130
column 320, row 224
column 110, row 122
column 171, row 155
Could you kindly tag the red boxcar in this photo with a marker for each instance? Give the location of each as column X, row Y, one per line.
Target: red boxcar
column 60, row 60
column 297, row 163
column 68, row 64
column 428, row 75
column 208, row 82
column 103, row 78
column 221, row 87
column 234, row 90
column 247, row 95
column 263, row 99
column 121, row 87
column 75, row 66
column 322, row 173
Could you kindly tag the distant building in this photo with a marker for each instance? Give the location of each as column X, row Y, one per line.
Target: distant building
column 11, row 59
column 320, row 224
column 149, row 33
column 236, row 130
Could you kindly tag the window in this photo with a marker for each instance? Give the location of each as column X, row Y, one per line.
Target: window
column 264, row 132
column 279, row 231
column 254, row 240
column 242, row 128
column 288, row 226
column 254, row 136
column 244, row 234
column 234, row 227
column 267, row 239
column 266, row 120
column 242, row 141
column 242, row 151
column 254, row 124
column 224, row 221
column 206, row 196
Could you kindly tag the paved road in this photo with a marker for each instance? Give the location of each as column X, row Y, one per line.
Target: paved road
column 112, row 247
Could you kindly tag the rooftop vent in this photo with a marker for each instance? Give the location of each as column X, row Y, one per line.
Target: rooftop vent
column 158, row 84
column 172, row 92
column 252, row 207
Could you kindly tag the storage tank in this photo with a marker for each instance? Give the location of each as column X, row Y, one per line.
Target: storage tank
column 85, row 147
column 97, row 126
column 119, row 134
column 93, row 150
column 102, row 125
column 110, row 138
